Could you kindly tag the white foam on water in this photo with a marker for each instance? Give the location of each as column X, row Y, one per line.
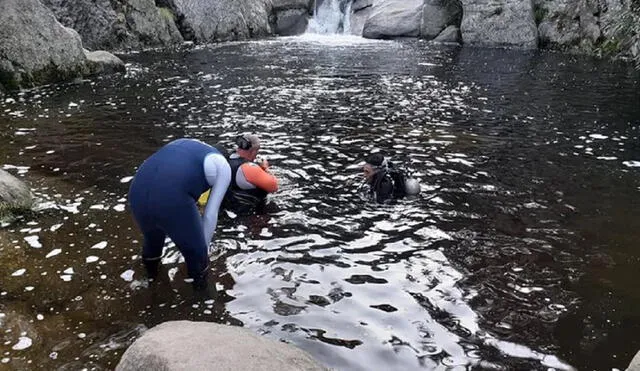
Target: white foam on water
column 631, row 163
column 68, row 271
column 55, row 227
column 23, row 343
column 432, row 233
column 39, row 317
column 66, row 277
column 126, row 179
column 127, row 275
column 29, row 288
column 607, row 158
column 598, row 136
column 119, row 207
column 100, row 245
column 33, row 241
column 98, row 207
column 53, row 253
column 19, row 272
column 92, row 259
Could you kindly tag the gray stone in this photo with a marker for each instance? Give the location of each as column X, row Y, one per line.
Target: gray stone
column 291, row 21
column 15, row 195
column 499, row 23
column 186, row 345
column 359, row 5
column 450, row 34
column 34, row 47
column 438, row 15
column 293, row 4
column 635, row 363
column 358, row 19
column 223, row 20
column 394, row 18
column 120, row 25
column 103, row 62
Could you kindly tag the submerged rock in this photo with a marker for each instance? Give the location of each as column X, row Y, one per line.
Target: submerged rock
column 186, row 345
column 34, row 47
column 119, row 25
column 394, row 18
column 103, row 62
column 499, row 23
column 15, row 195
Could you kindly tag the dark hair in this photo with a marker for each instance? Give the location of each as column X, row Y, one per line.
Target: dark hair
column 243, row 142
column 375, row 159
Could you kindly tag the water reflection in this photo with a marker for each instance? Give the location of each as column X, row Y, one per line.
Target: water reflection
column 479, row 271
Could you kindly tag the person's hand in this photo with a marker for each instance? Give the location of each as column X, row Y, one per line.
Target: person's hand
column 264, row 164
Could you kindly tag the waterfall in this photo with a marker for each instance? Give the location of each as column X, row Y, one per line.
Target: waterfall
column 330, row 17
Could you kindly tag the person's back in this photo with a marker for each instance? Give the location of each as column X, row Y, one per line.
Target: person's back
column 251, row 182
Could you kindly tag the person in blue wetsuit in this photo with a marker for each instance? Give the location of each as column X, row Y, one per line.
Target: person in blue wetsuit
column 163, row 197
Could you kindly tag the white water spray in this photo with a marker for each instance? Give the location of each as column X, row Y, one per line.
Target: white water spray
column 330, row 17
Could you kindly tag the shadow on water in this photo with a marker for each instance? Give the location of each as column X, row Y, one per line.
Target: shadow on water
column 518, row 254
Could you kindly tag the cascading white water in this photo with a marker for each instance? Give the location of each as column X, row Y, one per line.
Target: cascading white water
column 331, row 17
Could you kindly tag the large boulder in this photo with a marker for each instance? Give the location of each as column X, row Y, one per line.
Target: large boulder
column 186, row 345
column 222, row 20
column 499, row 23
column 34, row 47
column 120, row 25
column 438, row 15
column 15, row 196
column 394, row 18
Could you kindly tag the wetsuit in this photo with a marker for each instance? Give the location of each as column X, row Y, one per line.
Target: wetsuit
column 163, row 198
column 249, row 187
column 382, row 186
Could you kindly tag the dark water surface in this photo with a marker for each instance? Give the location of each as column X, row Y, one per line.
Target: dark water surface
column 521, row 252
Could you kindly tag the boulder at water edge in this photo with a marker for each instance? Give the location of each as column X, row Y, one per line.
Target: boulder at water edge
column 437, row 15
column 222, row 20
column 499, row 23
column 118, row 25
column 15, row 196
column 393, row 18
column 34, row 47
column 100, row 62
column 450, row 34
column 635, row 363
column 291, row 17
column 360, row 12
column 186, row 345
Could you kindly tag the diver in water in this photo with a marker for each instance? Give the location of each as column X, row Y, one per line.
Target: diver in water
column 386, row 181
column 251, row 182
column 163, row 197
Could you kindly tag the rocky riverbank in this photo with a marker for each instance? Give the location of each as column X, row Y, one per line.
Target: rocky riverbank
column 29, row 57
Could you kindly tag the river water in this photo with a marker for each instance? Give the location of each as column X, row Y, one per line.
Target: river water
column 520, row 252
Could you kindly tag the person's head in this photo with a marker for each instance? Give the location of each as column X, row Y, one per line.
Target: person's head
column 373, row 163
column 248, row 146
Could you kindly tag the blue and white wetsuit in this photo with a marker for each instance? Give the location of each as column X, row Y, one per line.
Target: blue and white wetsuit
column 163, row 197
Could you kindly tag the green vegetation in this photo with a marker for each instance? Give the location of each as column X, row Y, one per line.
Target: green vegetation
column 167, row 14
column 625, row 39
column 539, row 13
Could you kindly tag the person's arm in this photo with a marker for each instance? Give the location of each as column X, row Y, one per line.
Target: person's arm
column 257, row 176
column 218, row 174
